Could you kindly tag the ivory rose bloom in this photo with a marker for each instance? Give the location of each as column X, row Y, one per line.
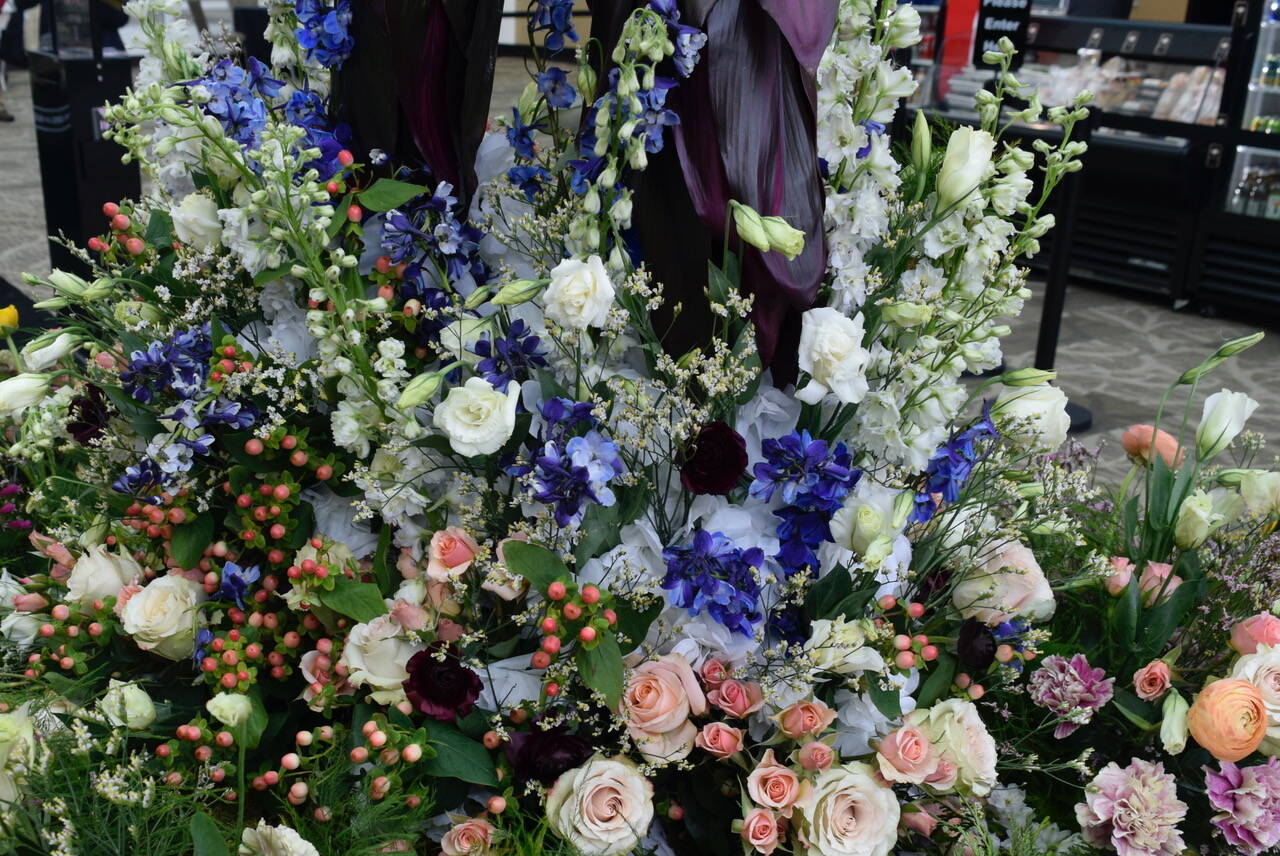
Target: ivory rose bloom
column 907, row 756
column 1008, row 584
column 580, row 294
column 1229, row 719
column 196, row 222
column 957, row 732
column 760, row 830
column 657, row 702
column 375, row 655
column 100, row 574
column 161, row 618
column 231, row 709
column 601, row 808
column 127, row 704
column 1260, row 629
column 845, row 811
column 1145, row 443
column 1262, row 669
column 773, row 785
column 451, row 553
column 739, row 699
column 831, row 353
column 470, row 838
column 805, row 719
column 477, row 418
column 1153, row 680
column 964, row 166
column 719, row 739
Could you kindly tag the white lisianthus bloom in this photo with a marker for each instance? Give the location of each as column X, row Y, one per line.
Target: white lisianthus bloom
column 1261, row 492
column 832, row 354
column 846, row 811
column 100, row 574
column 840, row 646
column 1038, row 414
column 1173, row 724
column 1224, row 415
column 162, row 617
column 477, row 418
column 41, row 353
column 231, row 709
column 459, row 336
column 264, row 840
column 22, row 391
column 964, row 166
column 196, row 221
column 955, row 727
column 1197, row 518
column 601, row 808
column 127, row 704
column 580, row 294
column 375, row 656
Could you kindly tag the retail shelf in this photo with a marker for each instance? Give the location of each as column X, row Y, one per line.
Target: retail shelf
column 1150, row 40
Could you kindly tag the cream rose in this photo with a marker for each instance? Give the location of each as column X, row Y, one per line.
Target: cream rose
column 196, row 221
column 845, row 811
column 472, row 837
column 1262, row 669
column 375, row 655
column 1037, row 414
column 601, row 808
column 957, row 732
column 1007, row 585
column 658, row 701
column 162, row 617
column 580, row 294
column 831, row 352
column 127, row 704
column 100, row 574
column 477, row 418
column 264, row 840
column 231, row 709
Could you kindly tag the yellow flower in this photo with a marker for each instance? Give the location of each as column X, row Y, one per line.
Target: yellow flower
column 8, row 319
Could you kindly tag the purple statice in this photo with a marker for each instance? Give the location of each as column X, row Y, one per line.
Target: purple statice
column 236, row 581
column 1133, row 810
column 1071, row 689
column 569, row 470
column 951, row 466
column 529, row 179
column 711, row 575
column 556, row 18
column 1247, row 802
column 509, row 358
column 554, row 85
column 179, row 366
column 324, row 31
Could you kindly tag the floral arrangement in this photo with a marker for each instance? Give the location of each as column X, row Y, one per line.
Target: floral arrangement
column 601, row 478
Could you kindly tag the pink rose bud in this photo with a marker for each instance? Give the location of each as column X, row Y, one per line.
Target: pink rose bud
column 1153, row 680
column 1143, row 443
column 805, row 719
column 760, row 830
column 1260, row 629
column 739, row 699
column 449, row 631
column 1119, row 579
column 51, row 549
column 407, row 565
column 409, row 616
column 29, row 602
column 59, row 572
column 719, row 739
column 945, row 776
column 1157, row 582
column 714, row 673
column 919, row 820
column 816, row 756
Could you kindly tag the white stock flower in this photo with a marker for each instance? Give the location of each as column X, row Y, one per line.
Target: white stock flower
column 100, row 574
column 162, row 617
column 196, row 221
column 22, row 391
column 1037, row 414
column 601, row 808
column 375, row 656
column 127, row 704
column 477, row 418
column 846, row 811
column 831, row 352
column 1224, row 415
column 264, row 840
column 964, row 166
column 231, row 709
column 580, row 294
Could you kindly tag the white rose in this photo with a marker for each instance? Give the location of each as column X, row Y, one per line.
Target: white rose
column 1196, row 519
column 99, row 574
column 964, row 166
column 580, row 294
column 162, row 617
column 22, row 391
column 196, row 222
column 869, row 521
column 1224, row 415
column 1036, row 413
column 231, row 709
column 264, row 840
column 846, row 811
column 127, row 704
column 840, row 646
column 477, row 418
column 1262, row 669
column 375, row 655
column 42, row 352
column 831, row 352
column 601, row 808
column 1261, row 492
column 1008, row 584
column 955, row 727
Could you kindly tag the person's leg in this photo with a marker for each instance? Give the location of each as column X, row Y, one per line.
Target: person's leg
column 5, row 115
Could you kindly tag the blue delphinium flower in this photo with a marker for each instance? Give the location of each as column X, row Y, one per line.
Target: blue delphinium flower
column 556, row 18
column 530, row 179
column 236, row 581
column 655, row 116
column 138, row 478
column 509, row 358
column 324, row 31
column 688, row 41
column 204, row 638
column 520, row 135
column 808, row 472
column 873, row 129
column 571, row 469
column 180, row 366
column 712, row 575
column 555, row 86
column 432, row 228
column 950, row 467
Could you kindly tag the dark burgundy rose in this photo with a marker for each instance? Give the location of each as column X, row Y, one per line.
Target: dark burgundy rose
column 975, row 646
column 88, row 415
column 715, row 461
column 933, row 584
column 543, row 755
column 441, row 687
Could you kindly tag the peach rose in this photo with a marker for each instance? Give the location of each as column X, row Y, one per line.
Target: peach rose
column 719, row 739
column 451, row 553
column 714, row 673
column 658, row 701
column 1143, row 443
column 407, row 565
column 816, row 756
column 1153, row 583
column 1260, row 629
column 773, row 786
column 907, row 756
column 760, row 830
column 469, row 838
column 1153, row 680
column 805, row 719
column 1229, row 719
column 739, row 699
column 1122, row 572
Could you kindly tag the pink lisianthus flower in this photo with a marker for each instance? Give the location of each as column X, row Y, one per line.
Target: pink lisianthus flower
column 1134, row 810
column 1121, row 573
column 1072, row 689
column 1157, row 582
column 1247, row 802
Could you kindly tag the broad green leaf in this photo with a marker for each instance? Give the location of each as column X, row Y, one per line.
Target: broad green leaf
column 939, row 680
column 535, row 563
column 1158, row 623
column 386, row 193
column 250, row 731
column 600, row 532
column 634, row 624
column 190, row 539
column 459, row 757
column 887, row 701
column 1137, row 711
column 160, row 230
column 302, row 524
column 360, row 601
column 206, row 838
column 601, row 669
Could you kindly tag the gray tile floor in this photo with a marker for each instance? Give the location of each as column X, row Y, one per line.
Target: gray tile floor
column 1116, row 355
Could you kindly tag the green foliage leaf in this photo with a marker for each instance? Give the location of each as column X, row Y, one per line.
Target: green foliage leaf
column 940, row 677
column 190, row 539
column 634, row 624
column 535, row 563
column 251, row 730
column 159, row 232
column 301, row 524
column 834, row 595
column 360, row 601
column 206, row 838
column 600, row 532
column 601, row 669
column 887, row 701
column 459, row 757
column 386, row 193
column 1158, row 623
column 1137, row 711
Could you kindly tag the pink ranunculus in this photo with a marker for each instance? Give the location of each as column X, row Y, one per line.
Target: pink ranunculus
column 410, row 616
column 1144, row 442
column 713, row 672
column 719, row 739
column 805, row 719
column 1260, row 629
column 815, row 756
column 907, row 756
column 51, row 549
column 1153, row 680
column 29, row 602
column 451, row 553
column 760, row 830
column 1153, row 583
column 1122, row 572
column 448, row 630
column 918, row 820
column 470, row 838
column 407, row 565
column 773, row 785
column 657, row 702
column 739, row 699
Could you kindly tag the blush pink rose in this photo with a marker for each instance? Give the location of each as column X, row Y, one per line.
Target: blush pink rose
column 907, row 756
column 410, row 616
column 760, row 830
column 719, row 739
column 1260, row 629
column 1122, row 572
column 451, row 553
column 944, row 777
column 918, row 820
column 773, row 785
column 469, row 838
column 805, row 719
column 448, row 630
column 657, row 702
column 816, row 756
column 407, row 565
column 714, row 673
column 1153, row 583
column 1144, row 442
column 739, row 699
column 1153, row 680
